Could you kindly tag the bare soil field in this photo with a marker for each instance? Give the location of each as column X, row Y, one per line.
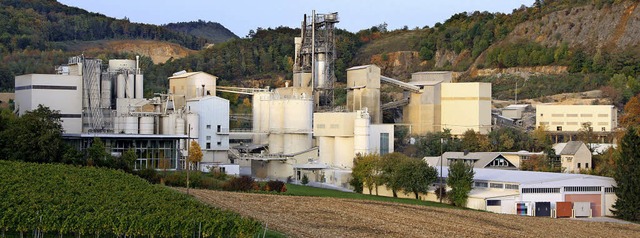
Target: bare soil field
column 299, row 216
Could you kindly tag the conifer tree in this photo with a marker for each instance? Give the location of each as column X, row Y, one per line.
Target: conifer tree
column 627, row 177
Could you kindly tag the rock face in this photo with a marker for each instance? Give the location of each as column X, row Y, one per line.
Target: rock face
column 158, row 51
column 612, row 26
column 524, row 72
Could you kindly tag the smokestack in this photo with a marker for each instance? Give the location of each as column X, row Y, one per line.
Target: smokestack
column 137, row 64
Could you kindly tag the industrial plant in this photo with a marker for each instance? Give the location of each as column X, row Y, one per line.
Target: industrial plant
column 298, row 130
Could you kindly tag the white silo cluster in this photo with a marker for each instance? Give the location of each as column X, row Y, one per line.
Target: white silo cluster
column 285, row 123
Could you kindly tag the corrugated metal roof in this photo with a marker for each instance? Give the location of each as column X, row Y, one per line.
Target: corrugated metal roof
column 184, row 75
column 536, row 179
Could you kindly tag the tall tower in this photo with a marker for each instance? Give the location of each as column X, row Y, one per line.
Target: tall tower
column 315, row 57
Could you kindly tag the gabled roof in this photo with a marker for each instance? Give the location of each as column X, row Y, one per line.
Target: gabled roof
column 569, row 148
column 480, row 159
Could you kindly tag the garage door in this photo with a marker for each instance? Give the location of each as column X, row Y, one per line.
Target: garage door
column 594, row 199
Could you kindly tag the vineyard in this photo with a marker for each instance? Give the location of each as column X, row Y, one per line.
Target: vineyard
column 67, row 200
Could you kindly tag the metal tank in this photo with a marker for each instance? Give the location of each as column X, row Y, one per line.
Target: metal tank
column 118, row 64
column 121, row 85
column 298, row 114
column 180, row 125
column 192, row 125
column 344, row 155
column 117, row 124
column 105, row 100
column 146, row 125
column 129, row 90
column 139, row 86
column 256, row 111
column 276, row 120
column 326, row 147
column 361, row 132
column 131, row 125
column 322, row 80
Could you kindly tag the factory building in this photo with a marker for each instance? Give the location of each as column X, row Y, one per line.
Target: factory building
column 341, row 136
column 563, row 122
column 209, row 115
column 35, row 89
column 533, row 193
column 187, row 85
column 466, row 106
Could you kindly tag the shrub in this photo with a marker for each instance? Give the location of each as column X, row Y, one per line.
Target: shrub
column 276, row 186
column 149, row 174
column 218, row 175
column 305, row 180
column 244, row 183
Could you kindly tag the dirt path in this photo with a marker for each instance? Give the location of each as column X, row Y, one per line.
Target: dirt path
column 330, row 217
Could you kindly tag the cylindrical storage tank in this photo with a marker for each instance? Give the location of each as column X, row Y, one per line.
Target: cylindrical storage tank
column 320, row 72
column 276, row 143
column 361, row 133
column 139, row 86
column 294, row 143
column 326, row 149
column 193, row 123
column 265, row 109
column 131, row 125
column 180, row 125
column 121, row 85
column 146, row 125
column 276, row 116
column 298, row 114
column 129, row 90
column 344, row 155
column 164, row 121
column 105, row 100
column 117, row 125
column 255, row 110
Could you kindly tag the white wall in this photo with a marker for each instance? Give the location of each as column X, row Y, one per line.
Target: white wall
column 375, row 130
column 58, row 92
column 571, row 117
column 213, row 112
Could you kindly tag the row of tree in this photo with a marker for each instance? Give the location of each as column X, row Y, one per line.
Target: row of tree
column 400, row 173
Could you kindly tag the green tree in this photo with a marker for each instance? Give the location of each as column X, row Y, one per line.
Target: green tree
column 391, row 175
column 97, row 153
column 305, row 179
column 366, row 170
column 36, row 136
column 460, row 180
column 416, row 176
column 627, row 176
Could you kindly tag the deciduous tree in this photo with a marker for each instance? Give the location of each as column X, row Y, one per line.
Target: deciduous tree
column 460, row 180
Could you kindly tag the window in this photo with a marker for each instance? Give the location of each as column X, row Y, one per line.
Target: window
column 481, row 184
column 559, row 128
column 208, row 137
column 586, row 115
column 496, row 185
column 219, row 128
column 335, row 126
column 572, row 115
column 569, row 159
column 557, row 115
column 384, row 143
column 208, row 126
column 511, row 186
column 541, row 190
column 586, row 166
column 208, row 145
column 320, row 126
column 604, row 129
column 578, row 165
column 583, row 189
column 603, row 115
column 493, row 202
column 219, row 142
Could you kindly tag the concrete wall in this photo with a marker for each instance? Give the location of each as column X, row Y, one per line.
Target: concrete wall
column 375, row 131
column 58, row 92
column 443, row 76
column 424, row 110
column 363, row 83
column 572, row 117
column 333, row 123
column 466, row 106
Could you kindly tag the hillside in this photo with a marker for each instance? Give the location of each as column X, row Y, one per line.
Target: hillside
column 212, row 31
column 158, row 51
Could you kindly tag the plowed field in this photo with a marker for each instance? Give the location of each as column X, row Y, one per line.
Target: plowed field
column 330, row 217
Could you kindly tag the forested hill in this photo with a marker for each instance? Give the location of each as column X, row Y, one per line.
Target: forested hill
column 212, row 31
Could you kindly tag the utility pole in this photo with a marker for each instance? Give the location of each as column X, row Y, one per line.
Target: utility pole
column 441, row 176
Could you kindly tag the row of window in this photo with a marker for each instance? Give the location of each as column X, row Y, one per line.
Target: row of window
column 583, row 189
column 575, row 115
column 496, row 185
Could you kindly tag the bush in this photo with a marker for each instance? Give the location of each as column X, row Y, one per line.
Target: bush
column 244, row 183
column 149, row 174
column 218, row 175
column 305, row 180
column 276, row 186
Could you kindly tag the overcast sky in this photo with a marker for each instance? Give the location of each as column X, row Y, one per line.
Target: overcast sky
column 240, row 16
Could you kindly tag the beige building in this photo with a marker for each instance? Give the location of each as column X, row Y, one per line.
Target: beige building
column 466, row 106
column 363, row 84
column 185, row 86
column 602, row 118
column 58, row 92
column 574, row 156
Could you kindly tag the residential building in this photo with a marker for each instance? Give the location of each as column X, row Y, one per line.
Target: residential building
column 574, row 156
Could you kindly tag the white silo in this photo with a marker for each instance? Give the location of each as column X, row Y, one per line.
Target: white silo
column 105, row 100
column 192, row 125
column 326, row 146
column 180, row 125
column 121, row 85
column 256, row 111
column 276, row 120
column 139, row 86
column 129, row 90
column 168, row 124
column 361, row 132
column 117, row 124
column 298, row 114
column 321, row 76
column 131, row 125
column 146, row 125
column 343, row 149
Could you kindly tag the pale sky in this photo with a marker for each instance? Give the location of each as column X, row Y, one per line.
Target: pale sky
column 240, row 16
